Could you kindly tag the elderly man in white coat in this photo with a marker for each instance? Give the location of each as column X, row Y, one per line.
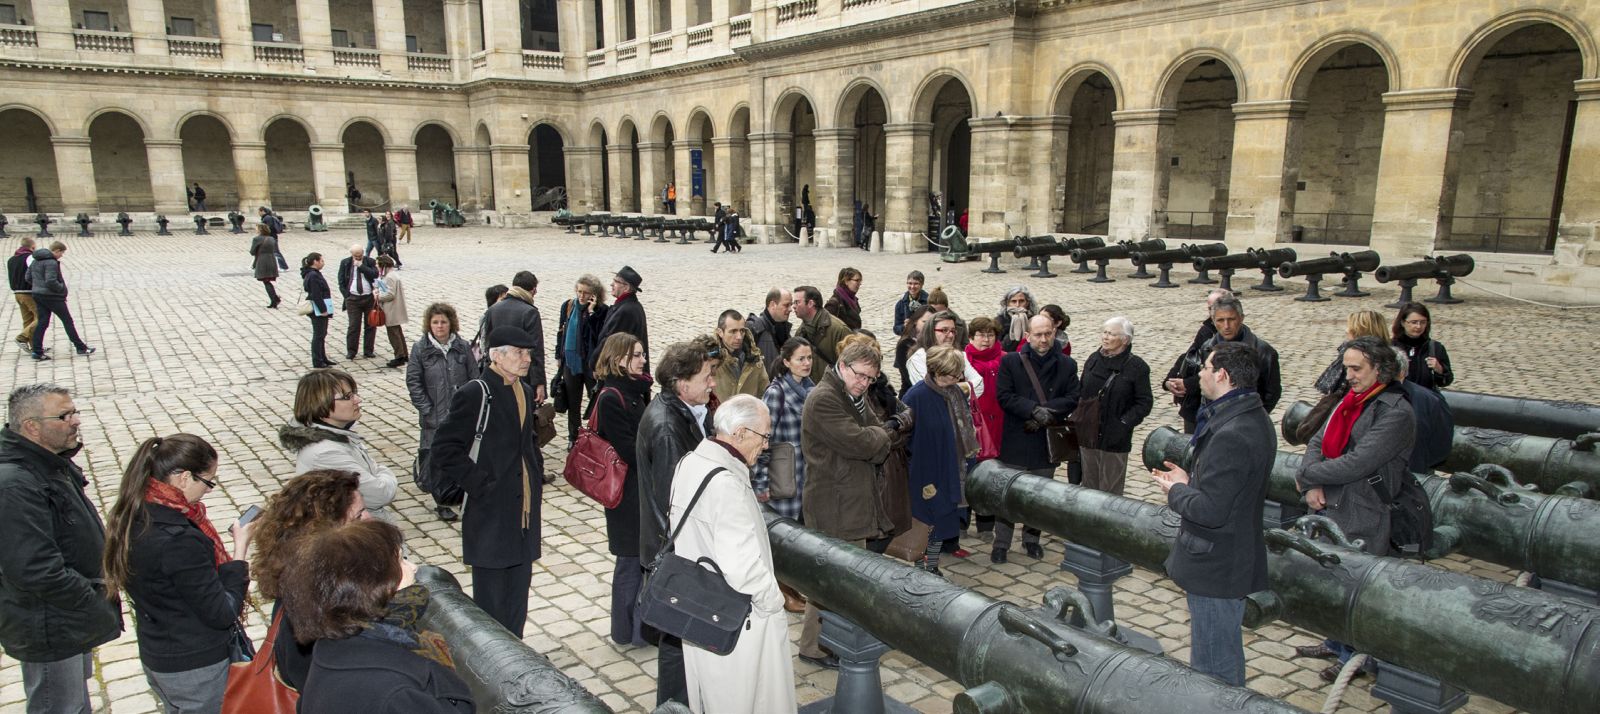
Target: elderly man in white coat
column 726, row 526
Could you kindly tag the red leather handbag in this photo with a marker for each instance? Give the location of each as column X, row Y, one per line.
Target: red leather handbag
column 254, row 687
column 375, row 317
column 988, row 443
column 593, row 466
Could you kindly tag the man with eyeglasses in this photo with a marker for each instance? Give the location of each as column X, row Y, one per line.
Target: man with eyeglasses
column 53, row 608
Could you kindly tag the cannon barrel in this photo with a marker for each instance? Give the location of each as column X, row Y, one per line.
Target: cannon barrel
column 1522, row 647
column 1041, row 663
column 1205, row 250
column 1430, row 267
column 1061, row 247
column 1222, row 262
column 1364, row 261
column 1479, row 516
column 504, row 674
column 992, row 247
column 1271, row 258
column 1157, row 257
column 1539, row 417
column 1567, row 466
column 1315, row 266
column 1118, row 251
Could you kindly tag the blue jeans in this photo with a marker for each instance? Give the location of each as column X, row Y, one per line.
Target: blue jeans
column 60, row 687
column 1216, row 645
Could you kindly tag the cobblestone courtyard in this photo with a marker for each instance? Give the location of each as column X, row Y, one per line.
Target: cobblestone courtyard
column 186, row 345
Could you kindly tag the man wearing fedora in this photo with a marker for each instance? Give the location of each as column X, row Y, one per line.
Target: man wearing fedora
column 501, row 476
column 627, row 313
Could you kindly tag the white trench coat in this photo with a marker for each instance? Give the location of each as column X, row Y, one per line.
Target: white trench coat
column 757, row 677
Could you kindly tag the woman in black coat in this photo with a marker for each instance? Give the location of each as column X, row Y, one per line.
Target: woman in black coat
column 354, row 594
column 1429, row 363
column 321, row 299
column 439, row 364
column 624, row 393
column 1119, row 382
column 187, row 589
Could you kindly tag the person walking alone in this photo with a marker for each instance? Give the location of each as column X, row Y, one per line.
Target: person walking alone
column 50, row 298
column 264, row 248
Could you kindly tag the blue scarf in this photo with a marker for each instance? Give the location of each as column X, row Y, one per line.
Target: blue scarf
column 1206, row 412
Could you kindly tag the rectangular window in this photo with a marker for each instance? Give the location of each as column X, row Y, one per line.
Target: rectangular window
column 411, row 44
column 341, row 38
column 8, row 14
column 95, row 20
column 182, row 26
column 261, row 32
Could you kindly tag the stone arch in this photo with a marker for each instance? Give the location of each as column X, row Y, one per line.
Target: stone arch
column 28, row 177
column 305, row 126
column 844, row 110
column 1179, row 70
column 739, row 176
column 481, row 136
column 659, row 165
column 737, row 117
column 383, row 131
column 794, row 166
column 782, row 119
column 928, row 91
column 597, row 132
column 366, row 164
column 436, row 146
column 556, row 125
column 291, row 183
column 121, row 164
column 547, row 162
column 1484, row 39
column 207, row 148
column 49, row 123
column 455, row 136
column 660, row 126
column 1072, row 79
column 183, row 120
column 626, row 173
column 1298, row 83
column 144, row 126
column 625, row 125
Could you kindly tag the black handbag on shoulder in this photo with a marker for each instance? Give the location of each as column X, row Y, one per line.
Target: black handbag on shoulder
column 683, row 599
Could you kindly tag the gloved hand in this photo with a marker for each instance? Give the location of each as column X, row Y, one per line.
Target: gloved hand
column 1030, row 426
column 1043, row 416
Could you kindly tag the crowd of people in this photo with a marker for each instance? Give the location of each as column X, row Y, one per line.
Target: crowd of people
column 758, row 412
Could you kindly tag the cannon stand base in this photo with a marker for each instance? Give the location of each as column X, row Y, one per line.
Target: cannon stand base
column 1409, row 692
column 1166, row 277
column 1405, row 293
column 1141, row 273
column 1083, row 268
column 1444, row 297
column 1312, row 294
column 1267, row 286
column 1227, row 279
column 1044, row 268
column 860, row 687
column 994, row 264
column 1204, row 278
column 1352, row 286
column 1100, row 276
column 1096, row 573
column 1281, row 515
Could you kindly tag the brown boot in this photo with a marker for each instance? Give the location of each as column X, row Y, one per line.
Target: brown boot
column 793, row 601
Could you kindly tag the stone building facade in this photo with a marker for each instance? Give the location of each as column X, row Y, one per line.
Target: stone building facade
column 1415, row 127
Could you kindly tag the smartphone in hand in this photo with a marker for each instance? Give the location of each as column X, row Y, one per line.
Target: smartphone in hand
column 250, row 514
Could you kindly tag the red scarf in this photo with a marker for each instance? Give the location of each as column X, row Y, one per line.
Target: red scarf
column 162, row 493
column 1337, row 436
column 846, row 297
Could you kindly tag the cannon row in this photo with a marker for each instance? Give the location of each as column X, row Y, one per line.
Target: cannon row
column 1525, row 648
column 638, row 227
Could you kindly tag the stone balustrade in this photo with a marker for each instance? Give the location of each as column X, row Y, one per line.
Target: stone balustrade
column 739, row 27
column 660, row 44
column 596, row 58
column 700, row 35
column 355, row 57
column 538, row 59
column 279, row 52
column 796, row 10
column 418, row 62
column 18, row 36
column 627, row 52
column 102, row 41
column 194, row 47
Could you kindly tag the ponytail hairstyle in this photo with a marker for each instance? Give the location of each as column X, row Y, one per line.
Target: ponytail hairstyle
column 157, row 459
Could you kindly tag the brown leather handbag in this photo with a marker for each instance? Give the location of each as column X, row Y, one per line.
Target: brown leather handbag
column 375, row 317
column 254, row 687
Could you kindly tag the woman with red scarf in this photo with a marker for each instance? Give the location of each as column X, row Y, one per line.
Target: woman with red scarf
column 188, row 590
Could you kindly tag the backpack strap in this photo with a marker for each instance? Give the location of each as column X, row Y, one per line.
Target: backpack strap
column 483, row 420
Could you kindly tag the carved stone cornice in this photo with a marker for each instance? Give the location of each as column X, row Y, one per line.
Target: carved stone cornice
column 163, row 143
column 916, row 23
column 82, row 141
column 913, row 128
column 835, row 134
column 1588, row 90
column 1144, row 117
column 1427, row 99
column 1051, row 122
column 1276, row 109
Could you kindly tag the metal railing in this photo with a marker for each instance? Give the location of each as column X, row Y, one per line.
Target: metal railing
column 102, row 41
column 539, row 59
column 1500, row 234
column 418, row 62
column 194, row 47
column 1333, row 228
column 1197, row 225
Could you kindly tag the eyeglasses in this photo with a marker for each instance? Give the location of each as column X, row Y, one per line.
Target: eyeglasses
column 765, row 438
column 208, row 482
column 859, row 375
column 344, row 397
column 945, row 330
column 64, row 416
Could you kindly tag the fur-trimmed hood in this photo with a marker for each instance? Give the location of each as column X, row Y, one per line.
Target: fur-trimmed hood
column 295, row 436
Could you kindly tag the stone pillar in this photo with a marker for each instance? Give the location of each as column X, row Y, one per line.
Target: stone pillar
column 1000, row 187
column 1416, row 171
column 148, row 22
column 906, row 184
column 250, row 174
column 511, row 179
column 652, row 176
column 1261, row 189
column 1578, row 242
column 472, row 179
column 401, row 162
column 583, row 178
column 835, row 185
column 75, row 166
column 237, row 45
column 1045, row 136
column 1138, row 172
column 688, row 203
column 327, row 166
column 167, row 183
column 53, row 23
column 458, row 31
column 389, row 24
column 773, row 193
column 621, row 177
column 316, row 40
column 502, row 37
column 723, row 181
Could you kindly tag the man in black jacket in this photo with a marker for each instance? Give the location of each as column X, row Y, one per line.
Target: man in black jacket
column 53, row 610
column 1024, row 442
column 627, row 313
column 517, row 310
column 1220, row 555
column 502, row 477
column 770, row 327
column 1227, row 315
column 356, row 285
column 1188, row 363
column 676, row 421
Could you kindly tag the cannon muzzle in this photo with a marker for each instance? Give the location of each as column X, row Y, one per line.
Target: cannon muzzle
column 1431, row 267
column 1158, row 257
column 1247, row 259
column 1059, row 657
column 1316, row 266
column 1538, row 417
column 1522, row 647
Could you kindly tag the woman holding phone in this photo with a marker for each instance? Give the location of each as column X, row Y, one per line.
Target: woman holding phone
column 188, row 590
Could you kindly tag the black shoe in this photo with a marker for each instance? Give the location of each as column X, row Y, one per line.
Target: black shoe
column 366, row 355
column 1319, row 650
column 396, row 362
column 325, row 365
column 272, row 306
column 446, row 513
column 86, row 351
column 1332, row 672
column 825, row 662
column 998, row 555
column 40, row 356
column 1034, row 550
column 350, row 355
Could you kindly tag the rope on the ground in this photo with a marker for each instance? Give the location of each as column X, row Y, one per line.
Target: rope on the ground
column 1341, row 682
column 1530, row 302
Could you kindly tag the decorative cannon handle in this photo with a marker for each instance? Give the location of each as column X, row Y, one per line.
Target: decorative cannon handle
column 1279, row 540
column 1586, row 442
column 1502, row 477
column 1017, row 622
column 1073, row 608
column 1461, row 483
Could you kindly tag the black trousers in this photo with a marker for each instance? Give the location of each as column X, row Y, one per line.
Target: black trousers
column 359, row 332
column 272, row 293
column 577, row 386
column 319, row 340
column 503, row 593
column 46, row 306
column 672, row 685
